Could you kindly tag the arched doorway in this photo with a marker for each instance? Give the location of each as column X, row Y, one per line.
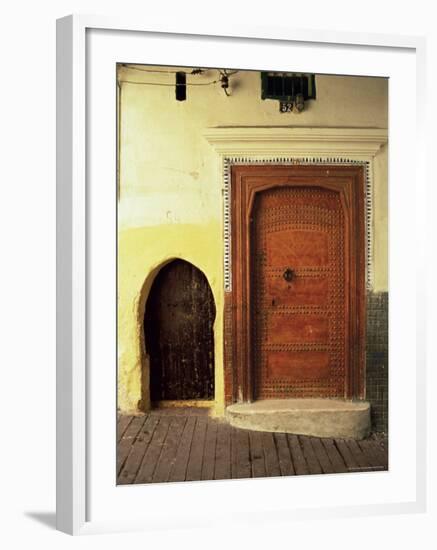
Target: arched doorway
column 178, row 327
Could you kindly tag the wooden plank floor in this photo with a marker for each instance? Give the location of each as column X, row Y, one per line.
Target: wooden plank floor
column 187, row 445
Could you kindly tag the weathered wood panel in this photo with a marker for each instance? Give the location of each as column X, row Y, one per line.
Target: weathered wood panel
column 257, row 454
column 348, row 457
column 299, row 349
column 241, row 467
column 271, row 455
column 122, row 424
column 322, row 456
column 298, row 282
column 284, row 456
column 179, row 470
column 138, row 449
column 208, row 463
column 300, row 465
column 335, row 457
column 310, row 455
column 178, row 445
column 150, row 459
column 222, row 468
column 298, row 366
column 169, row 450
column 375, row 453
column 179, row 337
column 128, row 439
column 194, row 468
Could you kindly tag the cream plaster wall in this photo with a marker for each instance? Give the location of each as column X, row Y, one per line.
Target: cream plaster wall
column 170, row 200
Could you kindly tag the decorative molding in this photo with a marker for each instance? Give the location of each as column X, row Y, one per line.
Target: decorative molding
column 227, row 222
column 291, row 145
column 290, row 141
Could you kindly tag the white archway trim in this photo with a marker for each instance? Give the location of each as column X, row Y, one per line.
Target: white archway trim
column 291, row 141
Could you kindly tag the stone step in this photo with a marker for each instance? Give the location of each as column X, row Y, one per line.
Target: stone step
column 337, row 418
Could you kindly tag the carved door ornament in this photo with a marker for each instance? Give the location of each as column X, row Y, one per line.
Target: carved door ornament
column 298, row 272
column 288, row 275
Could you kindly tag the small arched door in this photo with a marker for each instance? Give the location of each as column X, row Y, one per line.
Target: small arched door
column 179, row 336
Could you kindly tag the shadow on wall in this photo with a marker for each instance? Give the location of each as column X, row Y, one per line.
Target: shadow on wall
column 45, row 518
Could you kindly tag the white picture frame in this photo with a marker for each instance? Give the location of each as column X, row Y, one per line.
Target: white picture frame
column 77, row 241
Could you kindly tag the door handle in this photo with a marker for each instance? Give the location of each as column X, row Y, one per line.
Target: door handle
column 288, row 275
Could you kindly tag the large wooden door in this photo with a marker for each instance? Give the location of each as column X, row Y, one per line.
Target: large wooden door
column 179, row 335
column 298, row 283
column 299, row 293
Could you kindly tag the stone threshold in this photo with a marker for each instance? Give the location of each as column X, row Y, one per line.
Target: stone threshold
column 336, row 418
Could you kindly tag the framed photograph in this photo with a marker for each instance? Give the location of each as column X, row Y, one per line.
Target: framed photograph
column 240, row 275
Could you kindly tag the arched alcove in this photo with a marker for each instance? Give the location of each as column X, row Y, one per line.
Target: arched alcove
column 178, row 334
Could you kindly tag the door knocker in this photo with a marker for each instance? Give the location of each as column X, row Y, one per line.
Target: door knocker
column 288, row 275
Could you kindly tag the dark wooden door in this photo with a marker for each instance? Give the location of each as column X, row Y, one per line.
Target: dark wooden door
column 299, row 293
column 179, row 335
column 295, row 318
